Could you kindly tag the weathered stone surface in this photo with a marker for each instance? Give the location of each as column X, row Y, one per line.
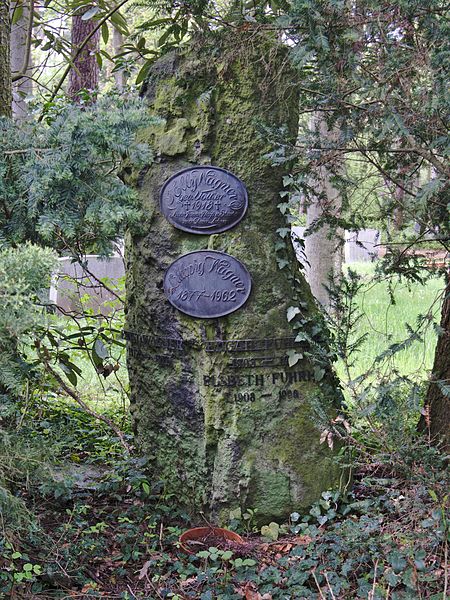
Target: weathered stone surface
column 222, row 433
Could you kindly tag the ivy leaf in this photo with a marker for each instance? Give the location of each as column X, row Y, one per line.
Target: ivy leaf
column 291, row 312
column 248, row 562
column 397, row 561
column 391, row 578
column 271, row 531
column 293, row 357
column 301, row 337
column 318, row 373
column 282, row 262
column 419, row 560
column 283, row 231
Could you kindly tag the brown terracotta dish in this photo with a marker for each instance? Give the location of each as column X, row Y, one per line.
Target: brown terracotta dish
column 202, row 538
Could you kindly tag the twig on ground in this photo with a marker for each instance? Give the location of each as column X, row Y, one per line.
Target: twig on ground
column 313, row 573
column 329, row 585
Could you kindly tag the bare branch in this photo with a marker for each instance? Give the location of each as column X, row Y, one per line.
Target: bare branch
column 26, row 63
column 75, row 396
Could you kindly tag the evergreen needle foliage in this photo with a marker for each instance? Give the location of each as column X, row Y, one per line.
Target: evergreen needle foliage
column 59, row 182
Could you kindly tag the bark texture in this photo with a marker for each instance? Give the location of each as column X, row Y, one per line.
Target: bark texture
column 324, row 245
column 85, row 71
column 120, row 76
column 21, row 63
column 438, row 398
column 5, row 61
column 220, row 437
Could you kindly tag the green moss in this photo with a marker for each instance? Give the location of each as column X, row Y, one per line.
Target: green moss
column 222, row 447
column 270, row 492
column 172, row 140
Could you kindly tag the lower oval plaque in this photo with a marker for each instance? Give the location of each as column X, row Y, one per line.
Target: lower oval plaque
column 207, row 284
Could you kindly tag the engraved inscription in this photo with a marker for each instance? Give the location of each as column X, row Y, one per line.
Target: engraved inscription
column 258, row 361
column 226, row 380
column 143, row 340
column 226, row 346
column 207, row 284
column 204, row 200
column 253, row 386
column 251, row 345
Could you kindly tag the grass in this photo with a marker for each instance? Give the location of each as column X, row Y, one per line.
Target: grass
column 386, row 323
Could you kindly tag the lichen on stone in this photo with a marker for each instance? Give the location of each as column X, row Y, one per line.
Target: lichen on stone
column 223, row 447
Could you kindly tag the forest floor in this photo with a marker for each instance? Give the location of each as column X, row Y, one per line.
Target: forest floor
column 102, row 528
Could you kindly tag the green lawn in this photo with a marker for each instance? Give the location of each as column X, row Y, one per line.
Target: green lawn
column 386, row 323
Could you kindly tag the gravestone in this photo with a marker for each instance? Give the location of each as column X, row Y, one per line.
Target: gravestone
column 76, row 289
column 361, row 246
column 224, row 419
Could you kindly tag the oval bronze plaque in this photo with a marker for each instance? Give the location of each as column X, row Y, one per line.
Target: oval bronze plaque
column 207, row 284
column 204, row 200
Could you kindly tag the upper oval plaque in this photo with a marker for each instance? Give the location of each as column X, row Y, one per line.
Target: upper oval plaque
column 204, row 200
column 207, row 284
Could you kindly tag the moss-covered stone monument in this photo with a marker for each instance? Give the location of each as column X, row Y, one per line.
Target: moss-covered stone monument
column 226, row 422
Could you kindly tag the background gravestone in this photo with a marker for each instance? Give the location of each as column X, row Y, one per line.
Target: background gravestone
column 75, row 288
column 224, row 419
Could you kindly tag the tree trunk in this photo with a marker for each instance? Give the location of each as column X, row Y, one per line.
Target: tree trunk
column 399, row 215
column 323, row 247
column 437, row 402
column 226, row 422
column 21, row 62
column 119, row 75
column 85, row 71
column 5, row 60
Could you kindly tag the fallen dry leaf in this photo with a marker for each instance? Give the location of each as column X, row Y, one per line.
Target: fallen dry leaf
column 189, row 581
column 302, row 540
column 250, row 592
